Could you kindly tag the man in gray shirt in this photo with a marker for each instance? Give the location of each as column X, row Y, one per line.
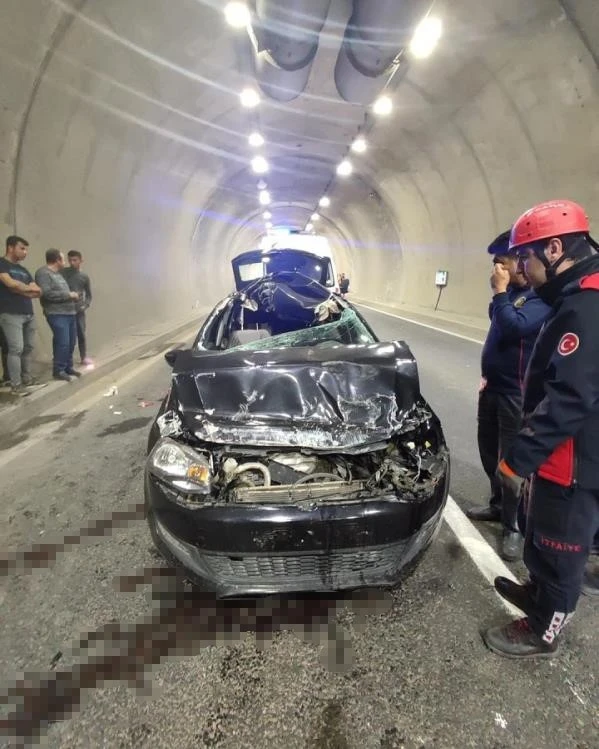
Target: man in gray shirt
column 79, row 282
column 58, row 303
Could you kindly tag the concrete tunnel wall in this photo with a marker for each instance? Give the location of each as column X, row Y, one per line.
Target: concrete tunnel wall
column 474, row 144
column 480, row 131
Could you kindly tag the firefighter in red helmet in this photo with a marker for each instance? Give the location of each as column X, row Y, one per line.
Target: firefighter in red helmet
column 555, row 456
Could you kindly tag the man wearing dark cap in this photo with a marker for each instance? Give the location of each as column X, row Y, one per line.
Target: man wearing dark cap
column 517, row 315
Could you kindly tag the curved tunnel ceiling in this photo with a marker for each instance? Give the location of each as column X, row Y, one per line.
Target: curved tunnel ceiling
column 123, row 134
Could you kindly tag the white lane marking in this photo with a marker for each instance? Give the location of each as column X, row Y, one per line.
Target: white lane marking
column 422, row 324
column 484, row 556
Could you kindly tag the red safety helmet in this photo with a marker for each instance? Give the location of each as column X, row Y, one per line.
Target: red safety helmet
column 550, row 219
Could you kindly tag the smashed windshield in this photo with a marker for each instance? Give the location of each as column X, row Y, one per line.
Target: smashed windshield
column 347, row 330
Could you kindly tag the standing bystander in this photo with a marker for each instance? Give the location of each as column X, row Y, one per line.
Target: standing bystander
column 17, row 289
column 58, row 303
column 343, row 285
column 79, row 282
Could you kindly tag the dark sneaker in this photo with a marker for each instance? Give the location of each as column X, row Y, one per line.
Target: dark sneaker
column 521, row 596
column 4, row 382
column 517, row 640
column 483, row 513
column 73, row 373
column 20, row 391
column 590, row 583
column 512, row 545
column 62, row 376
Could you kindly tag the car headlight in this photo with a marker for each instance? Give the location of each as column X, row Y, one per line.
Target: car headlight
column 181, row 467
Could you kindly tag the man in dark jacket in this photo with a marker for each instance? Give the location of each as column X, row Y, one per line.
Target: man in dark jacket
column 557, row 448
column 516, row 315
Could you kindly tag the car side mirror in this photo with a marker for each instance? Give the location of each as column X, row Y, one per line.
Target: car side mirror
column 171, row 356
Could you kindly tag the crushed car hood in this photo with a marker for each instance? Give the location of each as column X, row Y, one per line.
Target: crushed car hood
column 317, row 398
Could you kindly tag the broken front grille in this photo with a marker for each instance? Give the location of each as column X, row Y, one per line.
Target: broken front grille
column 260, row 568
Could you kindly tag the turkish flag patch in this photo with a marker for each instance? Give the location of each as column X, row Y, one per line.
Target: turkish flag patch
column 568, row 344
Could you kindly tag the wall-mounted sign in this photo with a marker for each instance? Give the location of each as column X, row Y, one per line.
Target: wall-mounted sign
column 441, row 278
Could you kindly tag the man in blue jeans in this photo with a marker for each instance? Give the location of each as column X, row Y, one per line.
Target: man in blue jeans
column 58, row 303
column 17, row 323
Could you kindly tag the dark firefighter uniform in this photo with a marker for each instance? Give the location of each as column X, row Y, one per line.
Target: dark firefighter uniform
column 555, row 456
column 559, row 446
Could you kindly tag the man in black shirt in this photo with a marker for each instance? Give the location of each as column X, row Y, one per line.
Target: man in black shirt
column 17, row 289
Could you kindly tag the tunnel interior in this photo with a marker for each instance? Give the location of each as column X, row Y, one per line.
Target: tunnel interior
column 163, row 138
column 124, row 136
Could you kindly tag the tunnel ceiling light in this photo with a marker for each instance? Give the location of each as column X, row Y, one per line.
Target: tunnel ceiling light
column 315, row 217
column 267, row 215
column 264, row 197
column 237, row 15
column 249, row 97
column 309, row 227
column 256, row 140
column 383, row 105
column 260, row 165
column 426, row 37
column 359, row 145
column 261, row 185
column 345, row 168
column 268, row 224
column 324, row 202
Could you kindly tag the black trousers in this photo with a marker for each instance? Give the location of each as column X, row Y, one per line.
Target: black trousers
column 499, row 418
column 81, row 339
column 561, row 524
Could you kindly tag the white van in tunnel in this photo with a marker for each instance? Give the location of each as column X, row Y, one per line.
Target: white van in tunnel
column 315, row 244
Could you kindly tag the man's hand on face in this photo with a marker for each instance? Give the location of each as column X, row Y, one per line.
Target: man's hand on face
column 500, row 278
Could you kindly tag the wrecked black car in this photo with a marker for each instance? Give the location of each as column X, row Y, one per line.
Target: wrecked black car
column 294, row 451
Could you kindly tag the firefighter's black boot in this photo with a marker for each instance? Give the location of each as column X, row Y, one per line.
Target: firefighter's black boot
column 521, row 596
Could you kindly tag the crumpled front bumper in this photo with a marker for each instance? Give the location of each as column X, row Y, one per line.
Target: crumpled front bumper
column 238, row 550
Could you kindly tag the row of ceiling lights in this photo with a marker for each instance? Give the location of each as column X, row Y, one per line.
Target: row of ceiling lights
column 424, row 40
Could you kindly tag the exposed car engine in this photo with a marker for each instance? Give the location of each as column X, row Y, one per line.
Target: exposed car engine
column 410, row 465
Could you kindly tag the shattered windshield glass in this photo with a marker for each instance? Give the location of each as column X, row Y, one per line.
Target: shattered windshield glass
column 347, row 330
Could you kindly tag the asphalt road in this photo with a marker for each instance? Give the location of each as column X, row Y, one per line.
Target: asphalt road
column 167, row 668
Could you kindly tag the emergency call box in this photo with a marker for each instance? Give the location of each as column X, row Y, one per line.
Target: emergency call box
column 441, row 278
